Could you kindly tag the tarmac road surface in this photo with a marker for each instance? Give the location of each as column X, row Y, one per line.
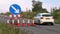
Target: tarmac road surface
column 44, row 29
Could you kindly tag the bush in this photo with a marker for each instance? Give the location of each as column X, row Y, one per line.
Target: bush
column 5, row 29
column 28, row 14
column 8, row 29
column 56, row 17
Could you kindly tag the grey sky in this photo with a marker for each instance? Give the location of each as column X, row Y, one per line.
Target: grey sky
column 5, row 4
column 48, row 4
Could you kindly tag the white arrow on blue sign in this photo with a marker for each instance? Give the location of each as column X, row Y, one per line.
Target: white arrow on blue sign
column 15, row 9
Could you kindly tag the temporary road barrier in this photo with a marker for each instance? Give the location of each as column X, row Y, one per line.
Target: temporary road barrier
column 18, row 17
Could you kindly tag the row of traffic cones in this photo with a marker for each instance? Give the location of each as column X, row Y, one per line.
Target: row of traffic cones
column 18, row 23
column 23, row 23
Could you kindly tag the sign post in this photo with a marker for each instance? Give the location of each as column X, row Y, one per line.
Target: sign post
column 15, row 10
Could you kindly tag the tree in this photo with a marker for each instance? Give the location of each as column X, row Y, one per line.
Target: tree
column 37, row 7
column 56, row 14
column 7, row 13
column 2, row 13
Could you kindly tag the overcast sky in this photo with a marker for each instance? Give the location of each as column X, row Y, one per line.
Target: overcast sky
column 48, row 4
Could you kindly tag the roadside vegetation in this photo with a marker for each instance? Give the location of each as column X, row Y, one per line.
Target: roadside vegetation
column 56, row 13
column 8, row 29
column 5, row 29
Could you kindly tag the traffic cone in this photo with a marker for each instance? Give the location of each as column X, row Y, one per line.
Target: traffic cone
column 7, row 22
column 18, row 23
column 33, row 22
column 23, row 23
column 12, row 22
column 28, row 24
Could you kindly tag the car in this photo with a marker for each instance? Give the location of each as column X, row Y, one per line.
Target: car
column 44, row 18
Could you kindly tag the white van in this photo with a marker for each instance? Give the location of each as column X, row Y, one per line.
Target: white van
column 44, row 18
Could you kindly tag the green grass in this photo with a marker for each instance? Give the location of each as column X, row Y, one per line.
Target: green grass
column 8, row 29
column 57, row 21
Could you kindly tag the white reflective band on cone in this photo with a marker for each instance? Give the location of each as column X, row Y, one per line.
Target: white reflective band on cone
column 7, row 21
column 10, row 16
column 23, row 20
column 18, row 21
column 33, row 21
column 18, row 15
column 28, row 20
column 12, row 21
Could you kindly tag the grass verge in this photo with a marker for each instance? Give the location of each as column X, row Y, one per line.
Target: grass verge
column 8, row 29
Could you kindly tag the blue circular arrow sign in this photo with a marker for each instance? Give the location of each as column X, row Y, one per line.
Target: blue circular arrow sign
column 15, row 9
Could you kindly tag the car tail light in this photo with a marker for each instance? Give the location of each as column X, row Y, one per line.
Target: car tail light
column 52, row 17
column 42, row 17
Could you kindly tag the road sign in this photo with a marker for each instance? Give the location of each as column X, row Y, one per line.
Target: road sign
column 15, row 9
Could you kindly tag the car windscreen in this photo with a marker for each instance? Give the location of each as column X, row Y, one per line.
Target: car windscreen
column 47, row 15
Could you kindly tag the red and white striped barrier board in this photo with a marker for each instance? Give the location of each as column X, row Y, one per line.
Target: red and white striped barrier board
column 13, row 17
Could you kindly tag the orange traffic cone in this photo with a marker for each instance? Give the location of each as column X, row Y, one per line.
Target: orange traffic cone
column 18, row 23
column 7, row 22
column 33, row 22
column 23, row 24
column 28, row 24
column 12, row 22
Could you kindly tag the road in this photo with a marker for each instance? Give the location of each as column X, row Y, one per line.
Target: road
column 39, row 29
column 44, row 29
